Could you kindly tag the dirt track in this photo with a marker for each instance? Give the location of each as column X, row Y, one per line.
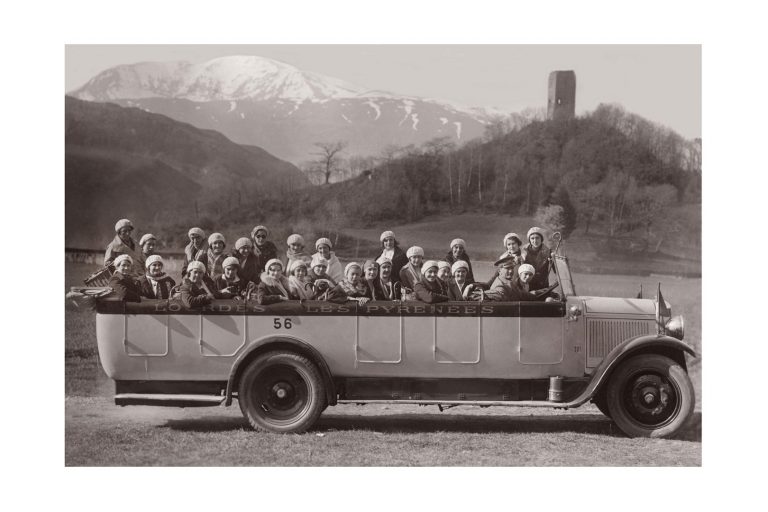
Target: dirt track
column 99, row 433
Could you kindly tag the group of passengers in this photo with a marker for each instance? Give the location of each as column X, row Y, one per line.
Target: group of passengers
column 254, row 270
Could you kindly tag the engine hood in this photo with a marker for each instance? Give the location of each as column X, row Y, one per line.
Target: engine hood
column 619, row 306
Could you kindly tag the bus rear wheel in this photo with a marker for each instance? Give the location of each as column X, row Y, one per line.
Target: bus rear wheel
column 281, row 392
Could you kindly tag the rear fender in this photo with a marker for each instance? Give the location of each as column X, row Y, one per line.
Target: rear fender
column 645, row 344
column 288, row 343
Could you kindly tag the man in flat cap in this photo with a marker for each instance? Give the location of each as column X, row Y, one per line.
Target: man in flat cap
column 510, row 287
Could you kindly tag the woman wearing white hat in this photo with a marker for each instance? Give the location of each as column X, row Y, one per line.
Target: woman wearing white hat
column 371, row 280
column 196, row 249
column 512, row 244
column 430, row 289
column 155, row 283
column 390, row 249
column 323, row 247
column 229, row 284
column 385, row 279
column 197, row 289
column 524, row 289
column 444, row 272
column 538, row 255
column 263, row 249
column 249, row 269
column 122, row 244
column 296, row 250
column 458, row 251
column 123, row 283
column 318, row 271
column 459, row 282
column 216, row 255
column 411, row 273
column 299, row 282
column 147, row 245
column 274, row 286
column 351, row 287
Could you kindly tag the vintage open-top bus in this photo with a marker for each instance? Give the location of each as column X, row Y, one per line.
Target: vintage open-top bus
column 285, row 363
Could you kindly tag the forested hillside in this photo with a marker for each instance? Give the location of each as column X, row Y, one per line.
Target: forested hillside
column 611, row 175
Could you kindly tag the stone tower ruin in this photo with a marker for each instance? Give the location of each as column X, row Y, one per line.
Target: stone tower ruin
column 561, row 103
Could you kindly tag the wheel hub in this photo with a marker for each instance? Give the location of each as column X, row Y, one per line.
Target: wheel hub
column 650, row 399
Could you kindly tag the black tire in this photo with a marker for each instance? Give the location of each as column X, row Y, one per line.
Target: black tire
column 650, row 395
column 602, row 403
column 281, row 392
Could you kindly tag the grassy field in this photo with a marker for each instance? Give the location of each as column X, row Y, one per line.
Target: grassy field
column 99, row 433
column 484, row 232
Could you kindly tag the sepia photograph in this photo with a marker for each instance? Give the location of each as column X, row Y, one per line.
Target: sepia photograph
column 383, row 255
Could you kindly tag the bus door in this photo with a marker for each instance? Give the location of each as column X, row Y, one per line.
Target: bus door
column 541, row 332
column 379, row 337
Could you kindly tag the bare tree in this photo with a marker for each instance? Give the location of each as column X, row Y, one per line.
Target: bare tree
column 329, row 157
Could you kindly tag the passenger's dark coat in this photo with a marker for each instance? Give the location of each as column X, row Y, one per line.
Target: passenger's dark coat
column 540, row 261
column 399, row 260
column 431, row 292
column 117, row 247
column 375, row 291
column 194, row 295
column 456, row 292
column 192, row 254
column 249, row 268
column 165, row 284
column 126, row 288
column 264, row 253
column 237, row 288
column 464, row 257
column 409, row 276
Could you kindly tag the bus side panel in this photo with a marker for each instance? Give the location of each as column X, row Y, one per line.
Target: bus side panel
column 332, row 336
column 110, row 337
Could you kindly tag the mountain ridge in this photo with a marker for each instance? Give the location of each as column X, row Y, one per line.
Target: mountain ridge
column 258, row 101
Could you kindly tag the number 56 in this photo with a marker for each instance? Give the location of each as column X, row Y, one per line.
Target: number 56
column 286, row 323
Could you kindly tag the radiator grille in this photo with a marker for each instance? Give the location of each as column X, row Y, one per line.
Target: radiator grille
column 604, row 335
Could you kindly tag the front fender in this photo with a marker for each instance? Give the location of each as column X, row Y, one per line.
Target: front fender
column 648, row 343
column 281, row 341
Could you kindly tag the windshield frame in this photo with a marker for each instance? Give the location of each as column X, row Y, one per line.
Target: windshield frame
column 564, row 276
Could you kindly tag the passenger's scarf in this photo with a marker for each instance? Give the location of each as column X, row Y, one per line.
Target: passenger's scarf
column 281, row 284
column 214, row 263
column 354, row 290
column 192, row 253
column 299, row 287
column 335, row 270
column 298, row 255
column 388, row 287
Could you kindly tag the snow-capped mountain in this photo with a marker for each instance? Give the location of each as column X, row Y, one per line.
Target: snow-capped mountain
column 259, row 101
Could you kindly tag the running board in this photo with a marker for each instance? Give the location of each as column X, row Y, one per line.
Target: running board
column 169, row 400
column 482, row 403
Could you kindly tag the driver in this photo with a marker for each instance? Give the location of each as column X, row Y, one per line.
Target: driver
column 522, row 286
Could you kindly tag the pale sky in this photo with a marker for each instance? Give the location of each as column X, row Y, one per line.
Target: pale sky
column 659, row 82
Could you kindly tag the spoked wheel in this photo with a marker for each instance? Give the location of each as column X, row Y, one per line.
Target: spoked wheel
column 281, row 392
column 650, row 396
